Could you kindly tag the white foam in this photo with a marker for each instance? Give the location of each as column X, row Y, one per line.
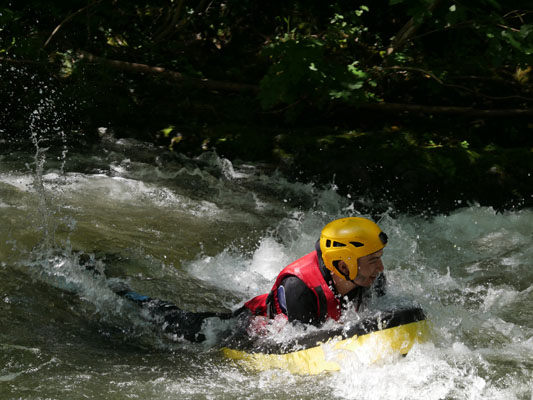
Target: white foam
column 82, row 190
column 19, row 181
column 425, row 373
column 237, row 274
column 267, row 259
column 497, row 298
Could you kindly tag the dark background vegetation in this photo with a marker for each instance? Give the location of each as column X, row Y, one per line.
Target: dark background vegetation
column 427, row 103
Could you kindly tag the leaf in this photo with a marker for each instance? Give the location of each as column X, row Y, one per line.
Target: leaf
column 167, row 131
column 117, row 41
column 521, row 40
column 356, row 71
column 355, row 86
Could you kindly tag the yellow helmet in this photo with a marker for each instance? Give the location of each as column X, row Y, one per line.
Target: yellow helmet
column 349, row 239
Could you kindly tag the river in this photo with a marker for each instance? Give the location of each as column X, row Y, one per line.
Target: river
column 208, row 234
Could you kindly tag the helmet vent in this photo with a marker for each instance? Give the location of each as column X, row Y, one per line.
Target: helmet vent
column 338, row 244
column 357, row 244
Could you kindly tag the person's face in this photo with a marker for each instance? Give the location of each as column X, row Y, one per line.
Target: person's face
column 369, row 267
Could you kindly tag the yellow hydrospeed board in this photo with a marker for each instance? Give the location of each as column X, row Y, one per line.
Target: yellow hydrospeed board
column 389, row 333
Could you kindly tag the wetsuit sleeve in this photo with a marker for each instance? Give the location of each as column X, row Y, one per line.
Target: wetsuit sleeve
column 172, row 319
column 300, row 301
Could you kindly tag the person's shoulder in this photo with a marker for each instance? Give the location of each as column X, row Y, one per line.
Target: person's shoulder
column 292, row 282
column 300, row 300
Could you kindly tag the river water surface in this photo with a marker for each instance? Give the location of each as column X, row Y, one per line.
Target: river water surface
column 207, row 234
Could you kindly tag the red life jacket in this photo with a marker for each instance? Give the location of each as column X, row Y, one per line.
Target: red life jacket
column 307, row 269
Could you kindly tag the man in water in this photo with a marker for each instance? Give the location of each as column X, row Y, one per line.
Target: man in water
column 343, row 270
column 308, row 291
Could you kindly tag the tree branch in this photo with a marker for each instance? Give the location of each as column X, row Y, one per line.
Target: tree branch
column 68, row 19
column 423, row 71
column 17, row 61
column 172, row 22
column 408, row 30
column 455, row 86
column 169, row 74
column 254, row 89
column 445, row 110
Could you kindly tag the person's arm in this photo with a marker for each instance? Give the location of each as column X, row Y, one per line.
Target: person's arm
column 171, row 318
column 300, row 301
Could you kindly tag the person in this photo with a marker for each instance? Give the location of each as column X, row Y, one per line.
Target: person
column 345, row 269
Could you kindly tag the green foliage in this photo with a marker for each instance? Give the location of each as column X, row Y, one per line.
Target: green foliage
column 299, row 70
column 318, row 67
column 521, row 40
column 292, row 63
column 346, row 58
column 314, row 54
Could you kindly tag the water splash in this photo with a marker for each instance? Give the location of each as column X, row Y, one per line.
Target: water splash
column 47, row 226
